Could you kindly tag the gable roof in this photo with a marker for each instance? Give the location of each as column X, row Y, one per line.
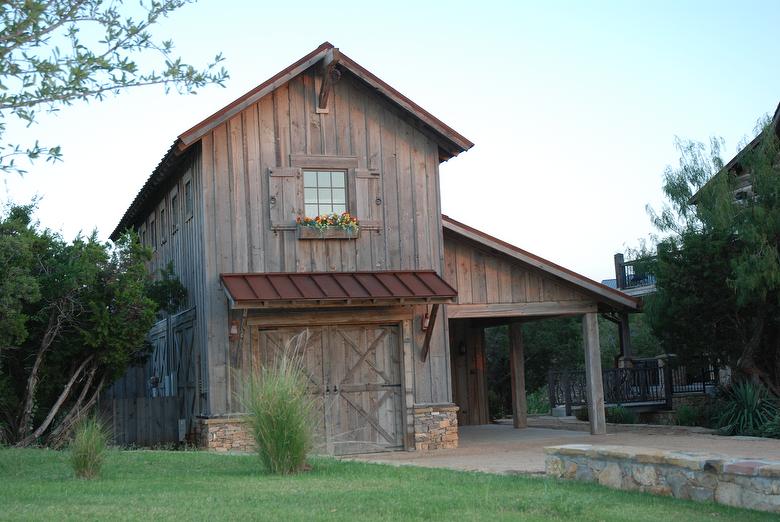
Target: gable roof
column 450, row 142
column 602, row 293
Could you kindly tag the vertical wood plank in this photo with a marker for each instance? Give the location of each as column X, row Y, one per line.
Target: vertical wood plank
column 256, row 223
column 236, row 178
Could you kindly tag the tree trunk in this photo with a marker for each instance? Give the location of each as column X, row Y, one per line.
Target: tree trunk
column 63, row 424
column 52, row 329
column 64, row 429
column 56, row 407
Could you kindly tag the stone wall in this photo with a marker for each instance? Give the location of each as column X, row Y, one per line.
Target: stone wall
column 435, row 426
column 223, row 434
column 751, row 484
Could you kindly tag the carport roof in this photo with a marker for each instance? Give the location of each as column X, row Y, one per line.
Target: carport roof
column 257, row 290
column 614, row 299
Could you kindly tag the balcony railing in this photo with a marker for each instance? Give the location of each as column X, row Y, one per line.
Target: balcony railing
column 633, row 274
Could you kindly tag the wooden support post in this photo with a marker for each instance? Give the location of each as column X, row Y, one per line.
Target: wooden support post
column 668, row 385
column 624, row 335
column 517, row 368
column 595, row 386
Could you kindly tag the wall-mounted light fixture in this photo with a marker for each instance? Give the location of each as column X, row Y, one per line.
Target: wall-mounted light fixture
column 233, row 336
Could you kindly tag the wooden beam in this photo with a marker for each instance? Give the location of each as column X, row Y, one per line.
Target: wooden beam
column 517, row 369
column 429, row 332
column 595, row 386
column 548, row 308
column 624, row 334
column 330, row 75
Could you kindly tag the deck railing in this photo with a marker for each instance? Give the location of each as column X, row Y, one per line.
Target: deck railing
column 643, row 386
column 633, row 274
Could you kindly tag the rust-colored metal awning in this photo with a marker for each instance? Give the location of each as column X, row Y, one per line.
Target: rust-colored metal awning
column 260, row 290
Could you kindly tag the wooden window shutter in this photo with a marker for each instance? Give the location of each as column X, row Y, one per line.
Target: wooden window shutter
column 285, row 194
column 368, row 201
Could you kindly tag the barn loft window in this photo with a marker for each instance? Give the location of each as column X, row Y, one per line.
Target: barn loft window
column 174, row 213
column 163, row 230
column 324, row 192
column 153, row 234
column 188, row 199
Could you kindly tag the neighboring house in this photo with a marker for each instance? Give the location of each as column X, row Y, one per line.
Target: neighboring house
column 395, row 315
column 743, row 185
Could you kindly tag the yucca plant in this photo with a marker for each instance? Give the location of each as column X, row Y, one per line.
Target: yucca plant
column 88, row 447
column 747, row 408
column 280, row 406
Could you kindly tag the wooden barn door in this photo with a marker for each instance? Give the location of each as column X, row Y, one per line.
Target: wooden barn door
column 363, row 403
column 354, row 373
column 187, row 365
column 274, row 342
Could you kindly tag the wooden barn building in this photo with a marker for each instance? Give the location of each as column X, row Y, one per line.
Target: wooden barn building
column 395, row 313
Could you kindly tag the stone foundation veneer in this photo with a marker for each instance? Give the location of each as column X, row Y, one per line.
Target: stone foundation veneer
column 435, row 426
column 223, row 434
column 753, row 484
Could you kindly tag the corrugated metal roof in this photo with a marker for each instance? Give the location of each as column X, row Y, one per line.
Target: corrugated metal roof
column 267, row 289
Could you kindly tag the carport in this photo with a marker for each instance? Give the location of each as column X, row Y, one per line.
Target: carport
column 499, row 283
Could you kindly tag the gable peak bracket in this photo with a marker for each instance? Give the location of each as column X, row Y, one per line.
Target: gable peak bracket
column 330, row 75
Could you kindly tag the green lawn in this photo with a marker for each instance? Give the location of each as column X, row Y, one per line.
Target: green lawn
column 38, row 484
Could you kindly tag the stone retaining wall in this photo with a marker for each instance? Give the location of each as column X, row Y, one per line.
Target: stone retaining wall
column 223, row 434
column 435, row 426
column 753, row 484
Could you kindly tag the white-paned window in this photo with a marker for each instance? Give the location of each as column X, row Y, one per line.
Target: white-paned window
column 324, row 192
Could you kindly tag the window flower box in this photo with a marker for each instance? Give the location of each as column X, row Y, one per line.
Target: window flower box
column 326, row 233
column 333, row 226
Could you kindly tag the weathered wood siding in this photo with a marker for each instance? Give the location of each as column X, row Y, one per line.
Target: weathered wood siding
column 180, row 241
column 243, row 168
column 482, row 276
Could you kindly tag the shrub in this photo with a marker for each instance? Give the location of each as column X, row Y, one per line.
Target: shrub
column 88, row 447
column 747, row 408
column 620, row 415
column 538, row 401
column 582, row 414
column 687, row 415
column 280, row 408
column 772, row 428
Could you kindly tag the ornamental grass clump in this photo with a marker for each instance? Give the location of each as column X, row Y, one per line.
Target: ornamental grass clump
column 747, row 408
column 280, row 406
column 88, row 447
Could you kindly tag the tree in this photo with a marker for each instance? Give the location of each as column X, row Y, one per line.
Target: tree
column 718, row 264
column 80, row 313
column 56, row 52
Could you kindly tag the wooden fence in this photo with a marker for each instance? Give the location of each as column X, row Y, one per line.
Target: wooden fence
column 143, row 421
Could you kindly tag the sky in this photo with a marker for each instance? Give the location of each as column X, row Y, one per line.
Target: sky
column 573, row 106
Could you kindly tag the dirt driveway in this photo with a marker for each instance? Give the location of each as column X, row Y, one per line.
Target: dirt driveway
column 498, row 448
